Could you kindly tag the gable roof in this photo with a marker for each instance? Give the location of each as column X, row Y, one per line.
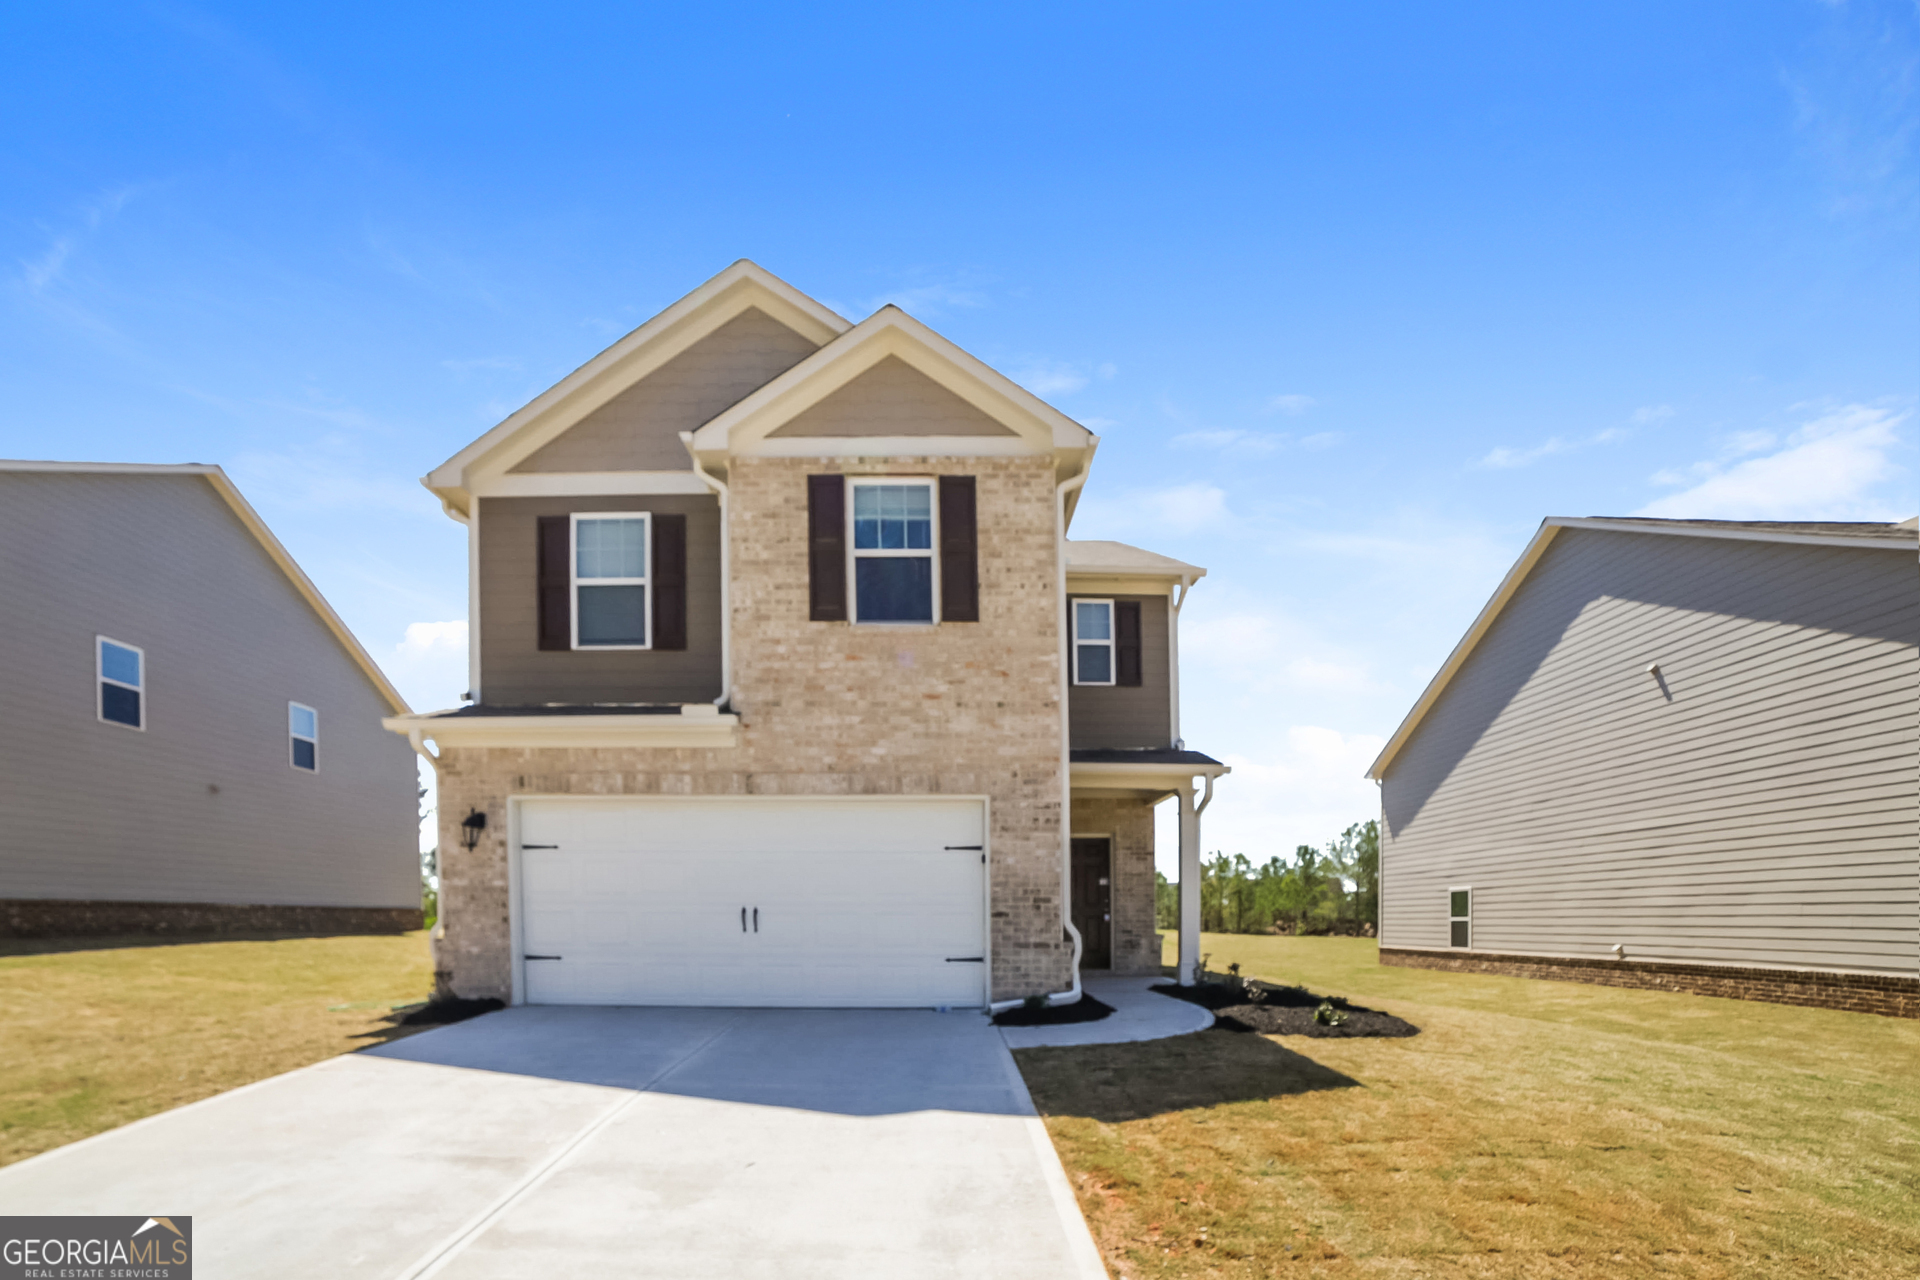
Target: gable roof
column 263, row 535
column 741, row 286
column 1091, row 557
column 1859, row 535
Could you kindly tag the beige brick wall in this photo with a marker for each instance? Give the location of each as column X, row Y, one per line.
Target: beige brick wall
column 834, row 709
column 1129, row 823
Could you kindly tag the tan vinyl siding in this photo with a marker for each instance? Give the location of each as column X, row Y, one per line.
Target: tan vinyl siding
column 514, row 670
column 203, row 806
column 1128, row 716
column 639, row 429
column 1761, row 809
column 893, row 399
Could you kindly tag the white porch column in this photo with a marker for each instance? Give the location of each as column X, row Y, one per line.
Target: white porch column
column 1189, row 968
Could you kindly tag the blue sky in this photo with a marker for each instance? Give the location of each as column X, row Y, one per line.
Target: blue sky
column 1355, row 295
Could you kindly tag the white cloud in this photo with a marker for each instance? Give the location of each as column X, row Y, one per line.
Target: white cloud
column 1320, row 440
column 1292, row 404
column 1186, row 506
column 1648, row 414
column 429, row 665
column 1307, row 792
column 40, row 272
column 1050, row 378
column 1836, row 467
column 1505, row 459
column 1265, row 652
column 1259, row 442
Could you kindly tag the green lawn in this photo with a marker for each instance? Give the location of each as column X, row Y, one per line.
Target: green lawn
column 1532, row 1129
column 103, row 1031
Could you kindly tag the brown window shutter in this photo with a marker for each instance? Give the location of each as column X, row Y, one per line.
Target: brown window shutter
column 959, row 551
column 669, row 582
column 1126, row 642
column 827, row 548
column 556, row 611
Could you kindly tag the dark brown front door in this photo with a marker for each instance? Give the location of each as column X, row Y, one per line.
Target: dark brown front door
column 1093, row 900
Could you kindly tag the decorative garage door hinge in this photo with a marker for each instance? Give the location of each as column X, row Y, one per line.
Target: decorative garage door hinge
column 539, row 846
column 966, row 959
column 540, row 957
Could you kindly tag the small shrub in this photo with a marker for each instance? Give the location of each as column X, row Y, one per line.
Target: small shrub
column 1034, row 1002
column 1328, row 1016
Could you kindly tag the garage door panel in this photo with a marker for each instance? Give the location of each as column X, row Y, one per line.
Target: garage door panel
column 861, row 903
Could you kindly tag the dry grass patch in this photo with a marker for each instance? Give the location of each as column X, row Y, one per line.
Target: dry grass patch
column 103, row 1031
column 1532, row 1129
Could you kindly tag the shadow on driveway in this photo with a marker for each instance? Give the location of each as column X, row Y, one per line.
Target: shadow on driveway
column 1117, row 1082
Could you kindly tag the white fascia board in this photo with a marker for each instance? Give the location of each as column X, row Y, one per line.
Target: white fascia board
column 892, row 447
column 740, row 286
column 565, row 484
column 304, row 585
column 1522, row 567
column 1142, row 777
column 746, row 426
column 1893, row 541
column 250, row 518
column 710, row 731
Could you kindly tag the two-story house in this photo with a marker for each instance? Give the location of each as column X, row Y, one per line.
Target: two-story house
column 788, row 687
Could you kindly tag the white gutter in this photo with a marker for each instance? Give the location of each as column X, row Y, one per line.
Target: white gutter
column 719, row 488
column 1072, row 994
column 417, row 738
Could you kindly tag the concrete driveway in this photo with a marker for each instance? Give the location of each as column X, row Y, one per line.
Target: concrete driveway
column 615, row 1142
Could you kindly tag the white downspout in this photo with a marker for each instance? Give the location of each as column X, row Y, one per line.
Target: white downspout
column 1072, row 994
column 719, row 489
column 417, row 739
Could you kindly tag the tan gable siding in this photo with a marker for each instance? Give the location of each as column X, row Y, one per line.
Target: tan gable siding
column 515, row 671
column 639, row 429
column 203, row 806
column 1129, row 716
column 892, row 399
column 1767, row 812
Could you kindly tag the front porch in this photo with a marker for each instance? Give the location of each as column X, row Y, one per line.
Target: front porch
column 1114, row 792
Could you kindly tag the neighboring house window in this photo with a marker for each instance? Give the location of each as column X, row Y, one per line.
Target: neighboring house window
column 122, row 679
column 1093, row 642
column 303, row 727
column 1460, row 916
column 893, row 551
column 610, row 581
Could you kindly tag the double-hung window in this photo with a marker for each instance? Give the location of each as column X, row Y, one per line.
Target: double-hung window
column 121, row 675
column 303, row 736
column 610, row 589
column 1460, row 917
column 892, row 549
column 1093, row 642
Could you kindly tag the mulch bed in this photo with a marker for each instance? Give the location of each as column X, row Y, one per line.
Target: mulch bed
column 436, row 1012
column 1086, row 1009
column 1285, row 1011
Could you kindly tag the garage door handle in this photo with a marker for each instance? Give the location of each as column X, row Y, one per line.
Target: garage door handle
column 539, row 846
column 756, row 919
column 967, row 848
column 966, row 959
column 540, row 957
column 743, row 919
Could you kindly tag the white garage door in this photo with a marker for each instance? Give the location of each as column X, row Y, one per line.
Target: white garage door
column 754, row 902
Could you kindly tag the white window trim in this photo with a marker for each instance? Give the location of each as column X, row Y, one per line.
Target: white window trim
column 855, row 554
column 574, row 580
column 100, row 678
column 1452, row 918
column 293, row 737
column 1112, row 642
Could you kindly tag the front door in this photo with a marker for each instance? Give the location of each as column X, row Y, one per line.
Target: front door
column 1093, row 899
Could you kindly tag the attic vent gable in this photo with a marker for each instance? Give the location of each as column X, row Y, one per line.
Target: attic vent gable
column 639, row 429
column 892, row 399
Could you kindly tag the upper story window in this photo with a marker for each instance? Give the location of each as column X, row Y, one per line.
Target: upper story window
column 892, row 548
column 1093, row 656
column 121, row 671
column 611, row 580
column 303, row 733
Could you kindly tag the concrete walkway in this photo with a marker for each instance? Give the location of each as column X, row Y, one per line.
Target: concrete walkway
column 615, row 1142
column 1138, row 1014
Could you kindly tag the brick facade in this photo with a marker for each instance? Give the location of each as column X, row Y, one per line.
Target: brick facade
column 60, row 918
column 1129, row 823
column 834, row 709
column 1889, row 994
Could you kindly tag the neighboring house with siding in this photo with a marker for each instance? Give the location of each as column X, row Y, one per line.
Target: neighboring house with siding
column 1673, row 753
column 190, row 738
column 788, row 687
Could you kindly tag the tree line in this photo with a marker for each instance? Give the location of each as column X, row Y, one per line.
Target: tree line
column 1331, row 890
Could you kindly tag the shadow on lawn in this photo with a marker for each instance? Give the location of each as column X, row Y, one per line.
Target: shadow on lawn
column 129, row 941
column 1116, row 1082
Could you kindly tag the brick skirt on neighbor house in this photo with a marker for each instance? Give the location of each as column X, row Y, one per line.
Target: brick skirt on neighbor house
column 63, row 918
column 1890, row 994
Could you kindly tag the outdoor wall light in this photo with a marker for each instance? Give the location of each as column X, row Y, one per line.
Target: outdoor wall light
column 470, row 828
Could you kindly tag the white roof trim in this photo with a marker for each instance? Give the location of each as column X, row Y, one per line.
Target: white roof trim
column 1107, row 559
column 1524, row 566
column 889, row 331
column 744, row 283
column 263, row 535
